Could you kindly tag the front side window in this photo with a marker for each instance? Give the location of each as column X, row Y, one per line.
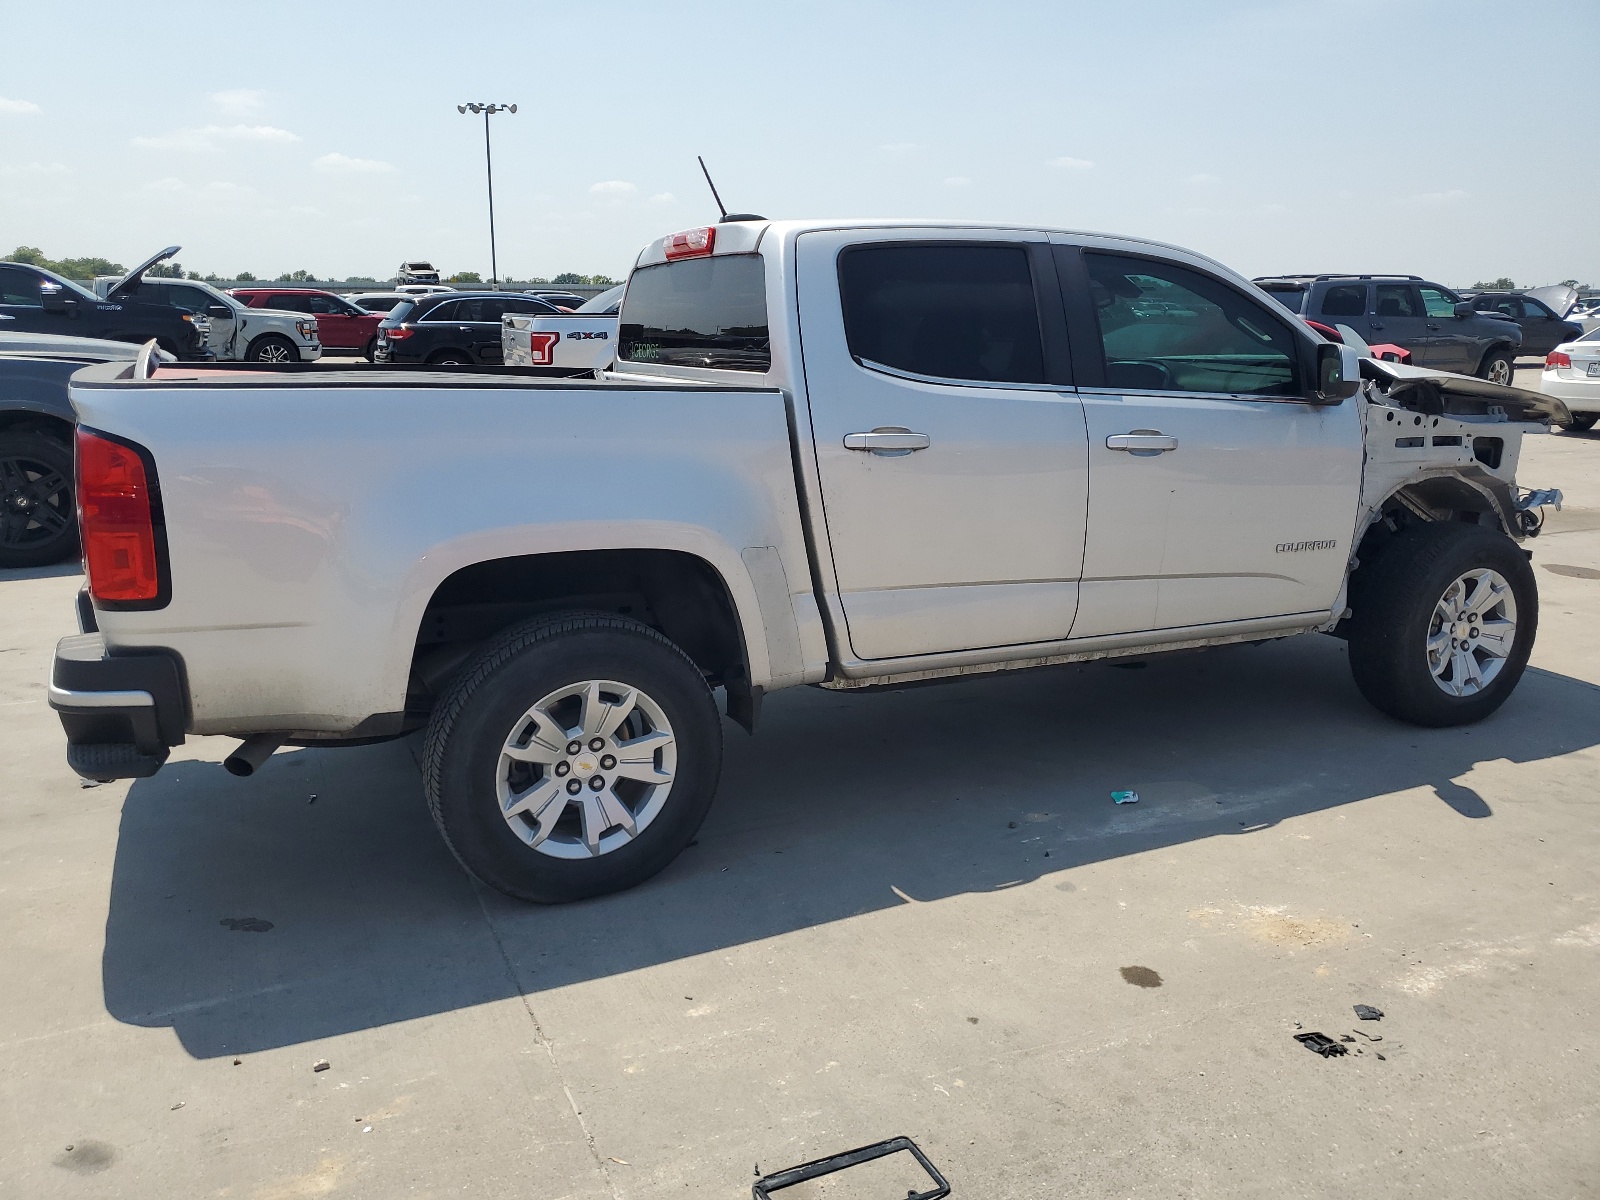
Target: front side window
column 1165, row 327
column 1397, row 300
column 326, row 306
column 1532, row 308
column 698, row 312
column 19, row 287
column 191, row 298
column 290, row 302
column 963, row 312
column 1345, row 300
column 1437, row 302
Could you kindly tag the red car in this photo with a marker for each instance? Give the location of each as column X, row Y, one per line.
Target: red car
column 342, row 328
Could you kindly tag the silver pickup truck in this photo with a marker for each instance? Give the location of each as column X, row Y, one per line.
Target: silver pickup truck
column 846, row 453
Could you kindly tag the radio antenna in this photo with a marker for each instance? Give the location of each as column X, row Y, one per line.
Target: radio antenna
column 720, row 207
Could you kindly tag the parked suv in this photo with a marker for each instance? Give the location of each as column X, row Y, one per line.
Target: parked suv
column 459, row 328
column 1440, row 329
column 33, row 300
column 417, row 272
column 238, row 333
column 341, row 325
column 1542, row 329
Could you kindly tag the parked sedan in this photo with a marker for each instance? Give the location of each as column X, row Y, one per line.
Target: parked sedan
column 1572, row 374
column 342, row 327
column 460, row 328
column 1542, row 329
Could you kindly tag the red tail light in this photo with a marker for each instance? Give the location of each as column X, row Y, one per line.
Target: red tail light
column 399, row 333
column 542, row 347
column 690, row 243
column 1557, row 359
column 119, row 514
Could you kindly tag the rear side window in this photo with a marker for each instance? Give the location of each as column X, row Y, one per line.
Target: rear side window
column 1167, row 328
column 1345, row 300
column 527, row 304
column 698, row 312
column 1396, row 300
column 399, row 312
column 951, row 312
column 450, row 310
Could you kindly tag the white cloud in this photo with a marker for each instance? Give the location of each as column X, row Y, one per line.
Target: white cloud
column 1434, row 199
column 613, row 187
column 343, row 164
column 239, row 102
column 208, row 137
column 17, row 108
column 31, row 170
column 956, row 181
column 662, row 198
column 1072, row 164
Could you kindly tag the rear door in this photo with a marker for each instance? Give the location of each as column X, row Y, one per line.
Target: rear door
column 949, row 441
column 1398, row 318
column 1216, row 492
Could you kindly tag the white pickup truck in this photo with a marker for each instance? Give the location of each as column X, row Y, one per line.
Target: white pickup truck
column 585, row 338
column 843, row 453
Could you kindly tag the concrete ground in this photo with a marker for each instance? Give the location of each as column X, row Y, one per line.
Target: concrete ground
column 915, row 913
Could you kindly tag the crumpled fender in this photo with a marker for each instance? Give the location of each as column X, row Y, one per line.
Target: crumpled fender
column 1434, row 392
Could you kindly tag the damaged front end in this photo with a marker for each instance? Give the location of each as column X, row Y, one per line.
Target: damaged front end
column 1443, row 447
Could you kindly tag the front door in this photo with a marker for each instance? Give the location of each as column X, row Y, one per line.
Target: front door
column 949, row 442
column 1397, row 317
column 1447, row 348
column 21, row 308
column 337, row 329
column 1216, row 492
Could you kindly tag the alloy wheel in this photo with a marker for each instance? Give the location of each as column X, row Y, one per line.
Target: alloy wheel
column 585, row 770
column 34, row 503
column 1472, row 632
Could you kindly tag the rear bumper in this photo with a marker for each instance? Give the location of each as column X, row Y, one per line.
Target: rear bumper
column 1578, row 393
column 121, row 711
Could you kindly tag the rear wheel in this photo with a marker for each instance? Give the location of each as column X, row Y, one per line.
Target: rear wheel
column 574, row 756
column 38, row 521
column 1498, row 366
column 272, row 348
column 1444, row 625
column 1581, row 422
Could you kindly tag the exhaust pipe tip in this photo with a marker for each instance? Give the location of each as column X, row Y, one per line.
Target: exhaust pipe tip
column 246, row 760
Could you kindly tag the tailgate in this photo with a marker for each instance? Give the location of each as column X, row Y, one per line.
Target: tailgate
column 565, row 340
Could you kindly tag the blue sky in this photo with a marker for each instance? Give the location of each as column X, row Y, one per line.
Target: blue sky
column 1437, row 138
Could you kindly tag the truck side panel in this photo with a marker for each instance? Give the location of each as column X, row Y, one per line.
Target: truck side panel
column 309, row 526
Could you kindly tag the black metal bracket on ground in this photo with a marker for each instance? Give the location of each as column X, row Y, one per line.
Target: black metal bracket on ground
column 767, row 1184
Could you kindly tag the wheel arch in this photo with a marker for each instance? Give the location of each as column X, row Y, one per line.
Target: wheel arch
column 704, row 610
column 27, row 420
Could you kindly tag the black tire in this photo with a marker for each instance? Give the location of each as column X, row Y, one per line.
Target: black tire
column 451, row 358
column 272, row 348
column 1581, row 422
column 38, row 517
column 1394, row 613
column 1498, row 366
column 481, row 709
column 370, row 350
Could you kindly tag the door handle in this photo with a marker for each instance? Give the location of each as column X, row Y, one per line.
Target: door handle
column 1376, row 324
column 888, row 441
column 1433, row 326
column 1142, row 442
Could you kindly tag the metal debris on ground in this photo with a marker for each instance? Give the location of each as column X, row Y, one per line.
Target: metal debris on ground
column 766, row 1185
column 1125, row 797
column 177, row 1106
column 1367, row 1013
column 88, row 783
column 320, row 1065
column 1371, row 1037
column 1321, row 1043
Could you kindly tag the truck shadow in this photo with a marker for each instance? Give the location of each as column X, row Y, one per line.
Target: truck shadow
column 841, row 805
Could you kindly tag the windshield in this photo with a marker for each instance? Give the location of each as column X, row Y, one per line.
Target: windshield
column 606, row 302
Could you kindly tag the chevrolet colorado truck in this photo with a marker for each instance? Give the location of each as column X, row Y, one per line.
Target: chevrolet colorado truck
column 841, row 453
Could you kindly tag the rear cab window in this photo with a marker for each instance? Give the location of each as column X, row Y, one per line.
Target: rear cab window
column 963, row 312
column 698, row 312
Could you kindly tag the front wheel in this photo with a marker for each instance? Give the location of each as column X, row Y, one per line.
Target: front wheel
column 370, row 350
column 1498, row 366
column 38, row 520
column 272, row 349
column 1444, row 625
column 573, row 756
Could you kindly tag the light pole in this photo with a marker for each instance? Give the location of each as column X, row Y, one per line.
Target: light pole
column 488, row 110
